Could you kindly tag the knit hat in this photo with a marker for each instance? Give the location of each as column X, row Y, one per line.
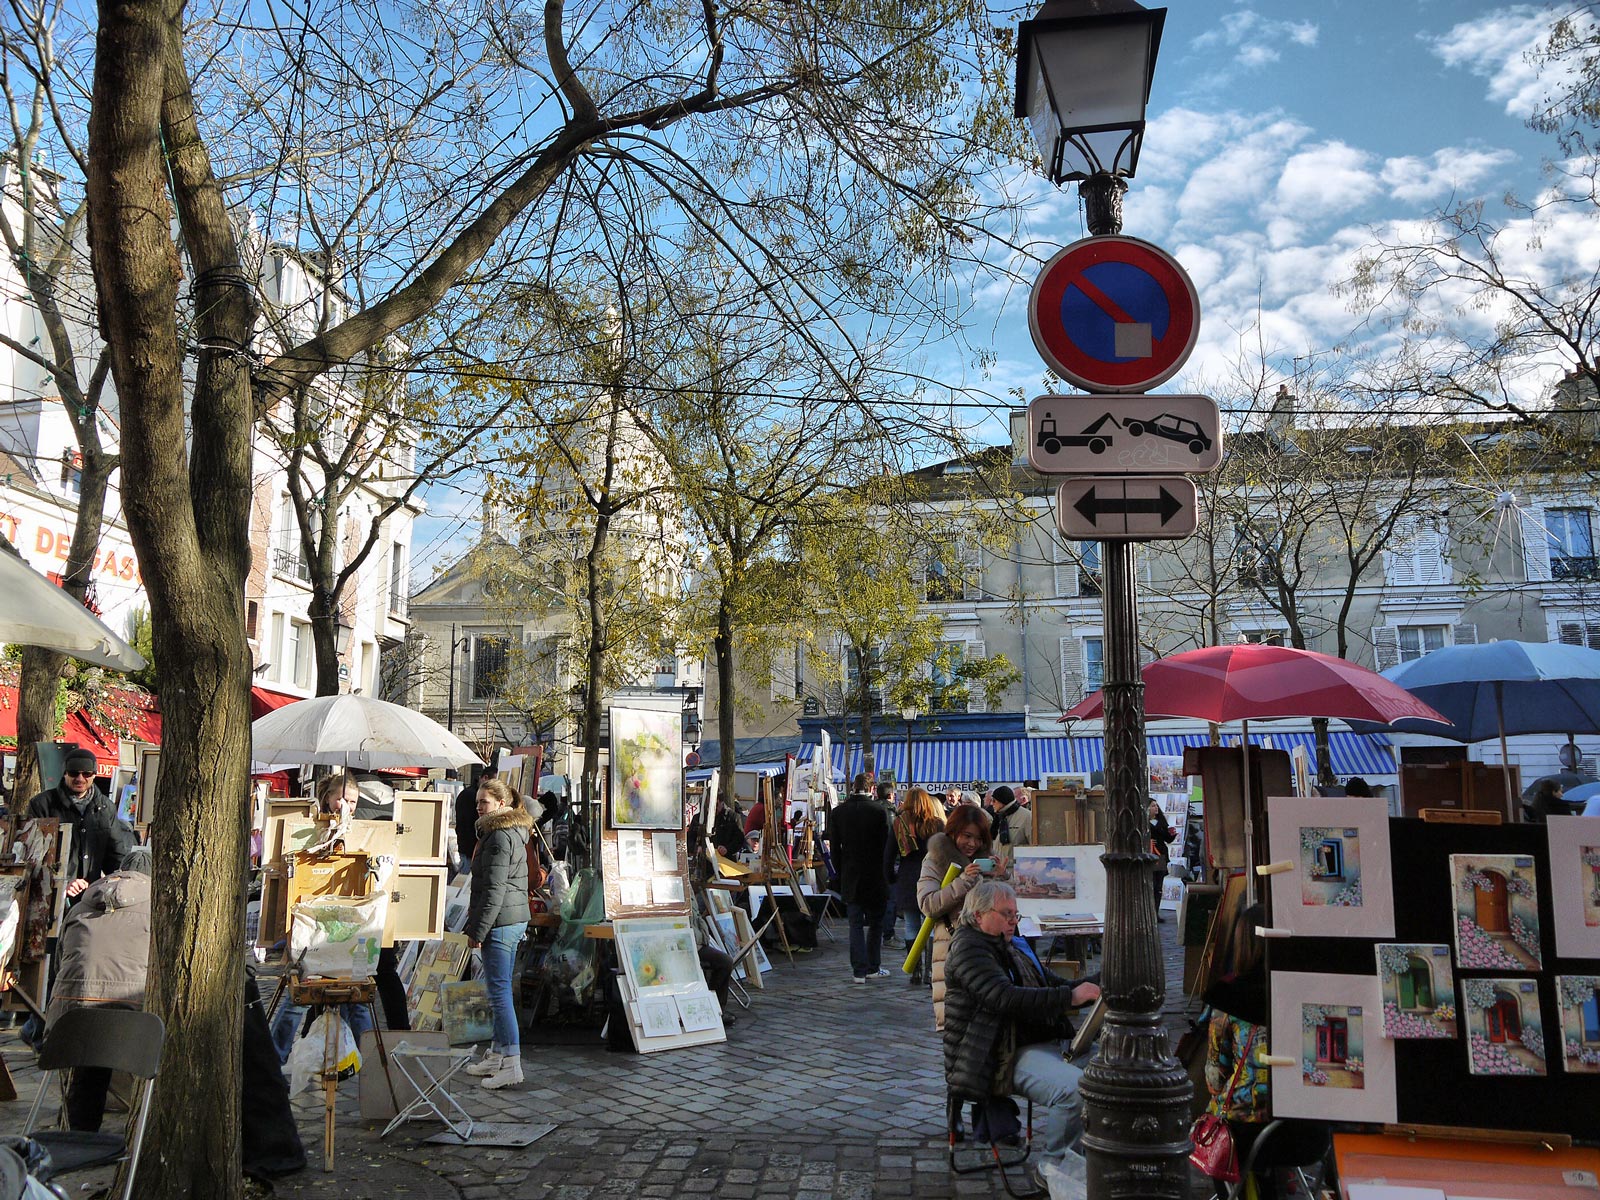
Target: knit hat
column 1003, row 796
column 79, row 759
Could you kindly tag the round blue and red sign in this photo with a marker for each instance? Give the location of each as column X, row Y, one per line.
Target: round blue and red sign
column 1114, row 314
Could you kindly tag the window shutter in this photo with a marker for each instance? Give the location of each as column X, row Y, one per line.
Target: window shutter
column 1400, row 562
column 1571, row 633
column 1535, row 544
column 977, row 701
column 972, row 581
column 1385, row 646
column 1428, row 552
column 1463, row 635
column 1071, row 672
column 1066, row 569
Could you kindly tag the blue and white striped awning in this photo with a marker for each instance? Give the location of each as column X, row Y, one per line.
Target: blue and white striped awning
column 960, row 762
column 763, row 769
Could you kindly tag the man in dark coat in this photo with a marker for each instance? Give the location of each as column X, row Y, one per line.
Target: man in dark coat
column 998, row 995
column 467, row 817
column 858, row 831
column 98, row 843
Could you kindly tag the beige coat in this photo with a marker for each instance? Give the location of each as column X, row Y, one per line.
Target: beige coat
column 943, row 904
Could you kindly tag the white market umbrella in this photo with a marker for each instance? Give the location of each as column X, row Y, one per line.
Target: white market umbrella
column 35, row 612
column 357, row 732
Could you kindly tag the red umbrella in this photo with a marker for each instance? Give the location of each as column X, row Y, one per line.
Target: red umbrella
column 1248, row 682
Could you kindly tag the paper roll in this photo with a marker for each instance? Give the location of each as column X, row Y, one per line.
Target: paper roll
column 926, row 931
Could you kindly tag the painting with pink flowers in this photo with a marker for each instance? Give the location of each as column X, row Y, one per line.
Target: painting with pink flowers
column 1419, row 990
column 1496, row 901
column 1579, row 999
column 1505, row 1032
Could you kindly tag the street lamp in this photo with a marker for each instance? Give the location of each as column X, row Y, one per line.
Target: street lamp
column 908, row 714
column 1084, row 69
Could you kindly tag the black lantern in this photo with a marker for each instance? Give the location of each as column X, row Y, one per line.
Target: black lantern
column 1084, row 69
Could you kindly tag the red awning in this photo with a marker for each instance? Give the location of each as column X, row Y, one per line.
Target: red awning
column 265, row 700
column 77, row 728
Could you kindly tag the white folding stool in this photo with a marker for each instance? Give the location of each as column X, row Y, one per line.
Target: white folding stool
column 430, row 1088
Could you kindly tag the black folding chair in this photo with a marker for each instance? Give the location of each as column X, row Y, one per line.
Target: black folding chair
column 1004, row 1159
column 115, row 1039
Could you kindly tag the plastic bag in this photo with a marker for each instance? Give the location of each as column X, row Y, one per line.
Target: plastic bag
column 339, row 936
column 1068, row 1179
column 558, row 884
column 305, row 1060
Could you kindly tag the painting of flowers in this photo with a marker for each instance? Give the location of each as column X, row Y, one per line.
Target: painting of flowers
column 1330, row 866
column 1505, row 1035
column 1589, row 861
column 1579, row 999
column 646, row 769
column 1419, row 990
column 1331, row 1046
column 1496, row 901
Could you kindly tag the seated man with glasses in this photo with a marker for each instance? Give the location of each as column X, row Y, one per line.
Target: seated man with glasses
column 98, row 839
column 1005, row 1020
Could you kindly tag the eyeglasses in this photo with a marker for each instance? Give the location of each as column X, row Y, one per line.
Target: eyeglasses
column 79, row 774
column 1012, row 917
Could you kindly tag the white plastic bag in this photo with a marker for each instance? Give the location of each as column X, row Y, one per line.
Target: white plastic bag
column 558, row 884
column 305, row 1060
column 1067, row 1180
column 339, row 936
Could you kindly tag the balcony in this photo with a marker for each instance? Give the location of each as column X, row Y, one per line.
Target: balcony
column 289, row 563
column 1572, row 566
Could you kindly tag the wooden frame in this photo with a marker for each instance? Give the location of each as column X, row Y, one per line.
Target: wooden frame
column 422, row 824
column 149, row 773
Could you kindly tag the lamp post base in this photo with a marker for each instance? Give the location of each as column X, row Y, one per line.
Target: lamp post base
column 1136, row 1113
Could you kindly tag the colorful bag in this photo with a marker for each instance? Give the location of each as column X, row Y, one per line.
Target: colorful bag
column 1213, row 1152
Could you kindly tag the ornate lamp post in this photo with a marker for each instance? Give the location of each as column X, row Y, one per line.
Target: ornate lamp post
column 1084, row 69
column 908, row 714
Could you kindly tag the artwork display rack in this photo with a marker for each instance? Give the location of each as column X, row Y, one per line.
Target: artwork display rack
column 1434, row 1083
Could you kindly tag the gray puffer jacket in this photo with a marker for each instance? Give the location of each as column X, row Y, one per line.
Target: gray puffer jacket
column 499, row 872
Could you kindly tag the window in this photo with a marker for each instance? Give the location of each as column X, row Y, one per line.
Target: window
column 1256, row 555
column 1571, row 543
column 286, row 558
column 1579, row 633
column 852, row 681
column 1418, row 552
column 1089, row 570
column 72, row 470
column 275, row 648
column 1094, row 663
column 785, row 683
column 1077, row 568
column 297, row 654
column 1261, row 637
column 251, row 615
column 951, row 692
column 953, row 572
column 397, row 578
column 1417, row 640
column 490, row 657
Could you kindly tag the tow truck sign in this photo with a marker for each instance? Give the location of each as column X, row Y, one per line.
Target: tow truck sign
column 1124, row 435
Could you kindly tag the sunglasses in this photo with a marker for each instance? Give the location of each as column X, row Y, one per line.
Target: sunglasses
column 79, row 774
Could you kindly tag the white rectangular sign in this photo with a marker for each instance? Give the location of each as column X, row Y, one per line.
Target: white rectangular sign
column 1127, row 507
column 1124, row 435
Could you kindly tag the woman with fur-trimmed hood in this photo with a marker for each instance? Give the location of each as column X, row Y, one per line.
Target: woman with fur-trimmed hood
column 497, row 919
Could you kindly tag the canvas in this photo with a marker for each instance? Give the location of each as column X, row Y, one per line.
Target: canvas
column 646, row 769
column 659, row 954
column 658, row 1016
column 1339, row 882
column 1575, row 885
column 1327, row 1029
column 1505, row 1035
column 467, row 1017
column 664, row 852
column 1496, row 901
column 1053, row 881
column 1419, row 991
column 699, row 1011
column 633, row 854
column 1579, row 999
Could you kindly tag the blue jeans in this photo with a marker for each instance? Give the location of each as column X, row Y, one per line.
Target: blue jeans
column 287, row 1020
column 499, row 953
column 866, row 938
column 913, row 925
column 1051, row 1082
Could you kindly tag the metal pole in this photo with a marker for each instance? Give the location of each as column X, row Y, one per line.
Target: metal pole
column 1135, row 1093
column 910, row 775
column 450, row 721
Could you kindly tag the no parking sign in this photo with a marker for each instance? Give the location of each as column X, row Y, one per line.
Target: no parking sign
column 1114, row 314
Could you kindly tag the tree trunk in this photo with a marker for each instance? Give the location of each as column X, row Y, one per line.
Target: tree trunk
column 188, row 516
column 325, row 642
column 722, row 651
column 865, row 671
column 589, row 789
column 1319, row 732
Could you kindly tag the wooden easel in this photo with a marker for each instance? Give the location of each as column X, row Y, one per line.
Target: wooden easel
column 810, row 861
column 326, row 995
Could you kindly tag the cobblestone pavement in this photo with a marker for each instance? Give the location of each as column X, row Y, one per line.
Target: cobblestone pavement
column 823, row 1089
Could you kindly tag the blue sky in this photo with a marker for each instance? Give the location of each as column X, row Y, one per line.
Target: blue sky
column 1285, row 136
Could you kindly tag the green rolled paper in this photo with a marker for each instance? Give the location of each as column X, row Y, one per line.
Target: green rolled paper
column 926, row 931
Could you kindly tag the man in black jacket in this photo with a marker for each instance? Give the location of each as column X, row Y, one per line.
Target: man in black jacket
column 98, row 843
column 858, row 831
column 467, row 816
column 994, row 986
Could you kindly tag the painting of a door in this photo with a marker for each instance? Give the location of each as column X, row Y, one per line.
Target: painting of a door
column 1504, row 1019
column 1492, row 915
column 1591, row 1018
column 1333, row 1040
column 1330, row 859
column 1416, row 985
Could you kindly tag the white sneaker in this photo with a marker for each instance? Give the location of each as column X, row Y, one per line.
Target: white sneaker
column 487, row 1065
column 510, row 1072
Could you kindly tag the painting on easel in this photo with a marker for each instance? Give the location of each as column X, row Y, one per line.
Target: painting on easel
column 1505, row 1035
column 1497, row 911
column 1419, row 990
column 1579, row 999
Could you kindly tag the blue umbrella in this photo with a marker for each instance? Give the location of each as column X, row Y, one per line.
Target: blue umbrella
column 1586, row 794
column 1502, row 688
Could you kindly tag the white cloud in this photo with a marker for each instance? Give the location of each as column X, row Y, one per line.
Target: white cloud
column 1256, row 40
column 1325, row 180
column 1497, row 47
column 1412, row 179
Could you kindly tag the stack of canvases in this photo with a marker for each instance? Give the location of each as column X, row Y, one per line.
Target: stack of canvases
column 1481, row 959
column 32, row 900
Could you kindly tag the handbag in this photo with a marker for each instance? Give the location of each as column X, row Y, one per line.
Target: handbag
column 1213, row 1153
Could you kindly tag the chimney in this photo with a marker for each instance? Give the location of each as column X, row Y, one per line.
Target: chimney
column 1280, row 418
column 490, row 524
column 1019, row 436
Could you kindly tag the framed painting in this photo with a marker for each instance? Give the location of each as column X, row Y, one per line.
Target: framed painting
column 1505, row 1035
column 1059, row 880
column 1575, row 885
column 1578, row 997
column 1419, row 990
column 646, row 768
column 1495, row 898
column 659, row 955
column 144, row 807
column 1330, row 1061
column 1338, row 883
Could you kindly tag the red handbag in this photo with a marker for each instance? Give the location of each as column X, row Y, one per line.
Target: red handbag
column 1214, row 1153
